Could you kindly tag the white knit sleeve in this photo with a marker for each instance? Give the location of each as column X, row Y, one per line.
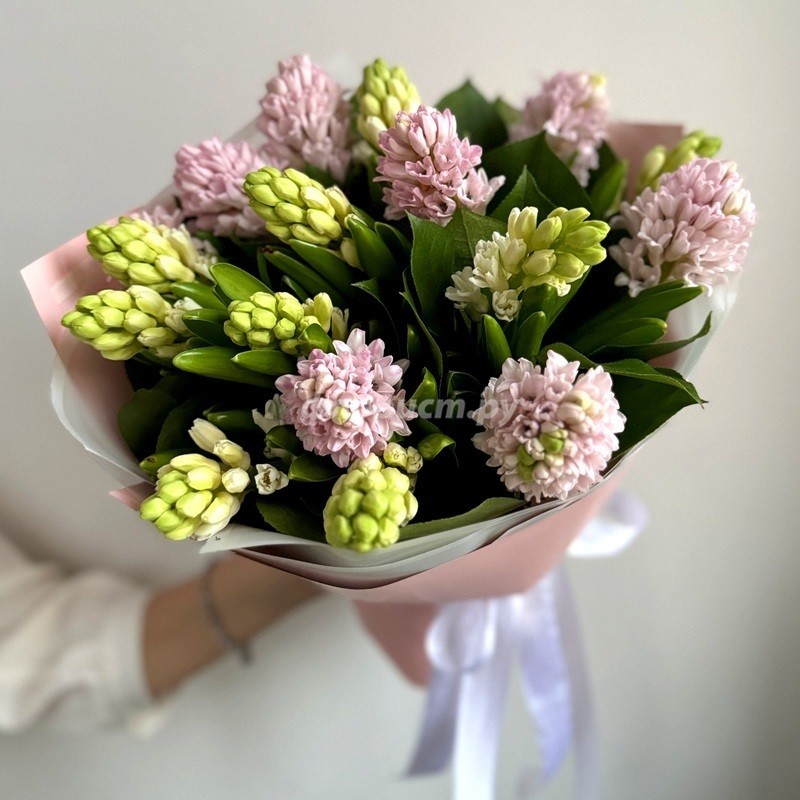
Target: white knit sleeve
column 70, row 646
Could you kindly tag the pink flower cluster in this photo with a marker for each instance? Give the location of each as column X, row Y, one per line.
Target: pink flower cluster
column 305, row 118
column 346, row 404
column 549, row 432
column 572, row 108
column 430, row 170
column 695, row 227
column 209, row 178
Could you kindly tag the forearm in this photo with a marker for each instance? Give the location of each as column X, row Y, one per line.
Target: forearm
column 179, row 636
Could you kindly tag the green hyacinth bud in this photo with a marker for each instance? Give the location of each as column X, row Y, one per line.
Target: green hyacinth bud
column 268, row 320
column 122, row 322
column 135, row 252
column 660, row 161
column 559, row 250
column 384, row 92
column 295, row 206
column 195, row 497
column 368, row 506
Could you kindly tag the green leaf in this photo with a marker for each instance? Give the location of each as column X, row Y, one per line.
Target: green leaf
column 175, row 430
column 620, row 333
column 216, row 362
column 207, row 324
column 375, row 257
column 311, row 468
column 331, row 267
column 284, row 437
column 314, row 336
column 608, row 189
column 649, row 351
column 508, row 113
column 528, row 339
column 495, row 343
column 414, row 347
column 309, row 280
column 469, row 228
column 570, row 353
column 294, row 288
column 395, row 241
column 432, row 267
column 261, row 263
column 291, row 520
column 201, row 294
column 266, row 361
column 433, row 444
column 478, row 119
column 525, row 193
column 552, row 176
column 236, row 283
column 238, row 420
column 430, row 340
column 427, row 389
column 141, row 418
column 489, row 509
column 633, row 368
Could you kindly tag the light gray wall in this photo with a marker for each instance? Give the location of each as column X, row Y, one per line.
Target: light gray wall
column 692, row 635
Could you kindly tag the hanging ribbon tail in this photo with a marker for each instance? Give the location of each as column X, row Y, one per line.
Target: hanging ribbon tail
column 620, row 521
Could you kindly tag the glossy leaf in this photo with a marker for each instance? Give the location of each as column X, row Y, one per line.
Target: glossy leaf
column 141, row 418
column 375, row 257
column 528, row 340
column 330, row 266
column 478, row 119
column 201, row 294
column 525, row 193
column 233, row 421
column 284, row 437
column 432, row 266
column 310, row 280
column 266, row 361
column 236, row 283
column 216, row 362
column 311, row 468
column 489, row 509
column 433, row 444
column 495, row 343
column 291, row 519
column 314, row 337
column 208, row 325
column 174, row 432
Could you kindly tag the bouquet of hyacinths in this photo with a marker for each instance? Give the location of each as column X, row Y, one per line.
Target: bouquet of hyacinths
column 378, row 299
column 398, row 349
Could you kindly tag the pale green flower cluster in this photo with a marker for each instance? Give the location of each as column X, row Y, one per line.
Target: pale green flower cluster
column 556, row 251
column 135, row 252
column 122, row 322
column 368, row 506
column 660, row 161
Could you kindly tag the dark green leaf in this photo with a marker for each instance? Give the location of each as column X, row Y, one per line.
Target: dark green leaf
column 467, row 229
column 312, row 468
column 426, row 390
column 525, row 193
column 609, row 189
column 430, row 340
column 331, row 267
column 552, row 176
column 233, row 421
column 141, row 418
column 301, row 273
column 215, row 362
column 433, row 444
column 432, row 267
column 294, row 288
column 284, row 437
column 314, row 337
column 291, row 520
column 528, row 339
column 495, row 343
column 175, row 430
column 153, row 463
column 620, row 333
column 375, row 257
column 201, row 294
column 208, row 325
column 478, row 120
column 266, row 361
column 649, row 351
column 507, row 112
column 395, row 241
column 236, row 283
column 489, row 509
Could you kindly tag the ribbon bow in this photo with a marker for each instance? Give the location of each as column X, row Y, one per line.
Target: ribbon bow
column 472, row 645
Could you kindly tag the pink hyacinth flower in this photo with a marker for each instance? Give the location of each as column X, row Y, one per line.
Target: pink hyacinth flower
column 549, row 432
column 209, row 177
column 306, row 119
column 430, row 171
column 572, row 109
column 695, row 227
column 346, row 404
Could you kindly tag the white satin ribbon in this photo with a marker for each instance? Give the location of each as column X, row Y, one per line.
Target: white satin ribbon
column 472, row 645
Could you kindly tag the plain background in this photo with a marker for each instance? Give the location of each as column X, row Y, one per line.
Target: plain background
column 692, row 635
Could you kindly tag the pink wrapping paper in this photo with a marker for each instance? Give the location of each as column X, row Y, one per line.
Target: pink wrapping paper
column 396, row 614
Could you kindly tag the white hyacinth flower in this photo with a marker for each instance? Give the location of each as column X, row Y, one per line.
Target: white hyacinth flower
column 270, row 479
